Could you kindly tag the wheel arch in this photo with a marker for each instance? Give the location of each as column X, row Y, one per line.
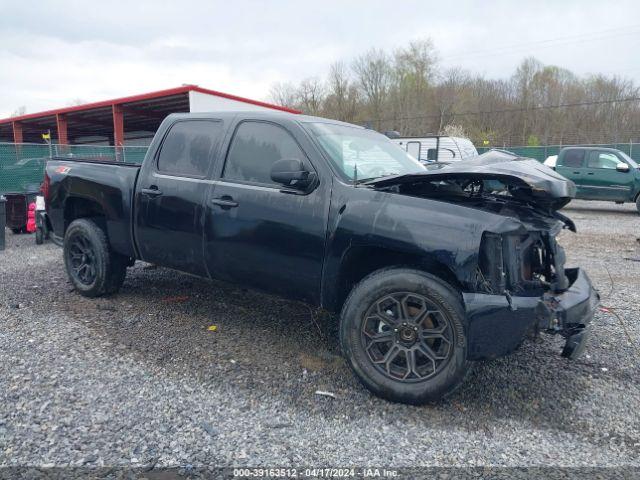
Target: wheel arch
column 359, row 262
column 76, row 207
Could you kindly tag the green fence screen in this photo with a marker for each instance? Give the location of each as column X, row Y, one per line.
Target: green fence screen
column 541, row 153
column 22, row 164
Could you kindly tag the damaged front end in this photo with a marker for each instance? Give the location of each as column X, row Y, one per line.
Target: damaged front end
column 523, row 288
column 520, row 285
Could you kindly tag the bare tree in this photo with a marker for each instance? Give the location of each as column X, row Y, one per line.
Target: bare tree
column 311, row 96
column 406, row 91
column 342, row 94
column 373, row 73
column 284, row 94
column 21, row 110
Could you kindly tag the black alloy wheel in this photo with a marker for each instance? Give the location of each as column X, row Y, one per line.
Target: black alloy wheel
column 407, row 337
column 82, row 259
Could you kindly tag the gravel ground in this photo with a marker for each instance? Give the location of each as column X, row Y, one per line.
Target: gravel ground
column 139, row 379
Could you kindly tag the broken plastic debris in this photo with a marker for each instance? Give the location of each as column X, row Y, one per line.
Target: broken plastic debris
column 604, row 369
column 212, row 328
column 325, row 394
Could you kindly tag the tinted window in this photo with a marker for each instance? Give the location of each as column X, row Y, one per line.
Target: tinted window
column 573, row 158
column 255, row 148
column 188, row 147
column 603, row 160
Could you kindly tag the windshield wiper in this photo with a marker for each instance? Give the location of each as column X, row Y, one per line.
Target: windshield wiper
column 382, row 177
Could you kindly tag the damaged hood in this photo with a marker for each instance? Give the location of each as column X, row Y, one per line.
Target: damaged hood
column 524, row 178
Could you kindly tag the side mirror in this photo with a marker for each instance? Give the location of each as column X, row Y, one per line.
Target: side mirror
column 622, row 167
column 291, row 172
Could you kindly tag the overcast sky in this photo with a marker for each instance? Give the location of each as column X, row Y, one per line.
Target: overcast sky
column 52, row 53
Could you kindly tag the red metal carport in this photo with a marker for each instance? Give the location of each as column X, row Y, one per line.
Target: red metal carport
column 122, row 121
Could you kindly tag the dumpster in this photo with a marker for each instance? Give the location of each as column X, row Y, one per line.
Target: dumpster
column 17, row 208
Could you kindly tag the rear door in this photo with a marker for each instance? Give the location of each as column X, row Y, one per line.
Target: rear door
column 571, row 165
column 257, row 233
column 603, row 180
column 413, row 149
column 170, row 195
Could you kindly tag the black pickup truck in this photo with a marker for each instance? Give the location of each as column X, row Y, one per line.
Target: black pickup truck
column 428, row 270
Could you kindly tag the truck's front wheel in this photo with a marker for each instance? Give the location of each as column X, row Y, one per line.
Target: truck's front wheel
column 402, row 330
column 93, row 268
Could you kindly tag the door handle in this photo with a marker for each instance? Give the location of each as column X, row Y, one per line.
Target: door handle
column 152, row 191
column 589, row 173
column 576, row 173
column 225, row 202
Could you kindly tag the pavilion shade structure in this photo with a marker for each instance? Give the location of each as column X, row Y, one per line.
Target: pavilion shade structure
column 123, row 121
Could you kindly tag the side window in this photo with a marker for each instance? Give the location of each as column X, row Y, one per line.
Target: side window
column 255, row 147
column 572, row 158
column 188, row 148
column 603, row 160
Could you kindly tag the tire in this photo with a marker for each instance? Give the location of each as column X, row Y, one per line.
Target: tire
column 39, row 236
column 93, row 268
column 431, row 306
column 638, row 203
column 17, row 231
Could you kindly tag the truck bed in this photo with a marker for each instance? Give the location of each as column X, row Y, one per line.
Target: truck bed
column 100, row 160
column 89, row 184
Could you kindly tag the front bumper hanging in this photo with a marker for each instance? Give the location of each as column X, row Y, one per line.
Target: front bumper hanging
column 497, row 325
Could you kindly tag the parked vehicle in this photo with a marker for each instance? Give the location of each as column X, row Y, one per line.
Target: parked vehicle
column 551, row 161
column 601, row 173
column 437, row 148
column 428, row 270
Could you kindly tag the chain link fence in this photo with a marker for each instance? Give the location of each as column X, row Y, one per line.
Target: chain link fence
column 22, row 164
column 541, row 153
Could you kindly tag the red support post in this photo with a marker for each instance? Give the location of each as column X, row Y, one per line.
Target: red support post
column 17, row 132
column 118, row 126
column 61, row 126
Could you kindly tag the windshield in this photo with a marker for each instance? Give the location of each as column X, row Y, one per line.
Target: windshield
column 629, row 160
column 360, row 154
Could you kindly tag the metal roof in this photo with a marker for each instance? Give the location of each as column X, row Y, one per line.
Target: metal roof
column 142, row 113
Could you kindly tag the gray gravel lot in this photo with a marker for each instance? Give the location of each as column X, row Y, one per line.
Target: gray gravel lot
column 138, row 379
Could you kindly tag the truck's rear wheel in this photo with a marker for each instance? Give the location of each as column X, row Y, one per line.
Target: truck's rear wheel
column 93, row 268
column 402, row 331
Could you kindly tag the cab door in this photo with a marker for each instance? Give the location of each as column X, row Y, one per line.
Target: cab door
column 170, row 195
column 602, row 178
column 257, row 233
column 570, row 165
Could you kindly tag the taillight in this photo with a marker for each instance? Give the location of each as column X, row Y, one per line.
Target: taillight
column 44, row 188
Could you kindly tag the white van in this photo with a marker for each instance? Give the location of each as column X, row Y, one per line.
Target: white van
column 437, row 148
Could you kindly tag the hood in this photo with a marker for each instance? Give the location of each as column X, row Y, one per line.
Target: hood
column 500, row 172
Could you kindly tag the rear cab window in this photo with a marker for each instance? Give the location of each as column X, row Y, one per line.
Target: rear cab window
column 189, row 148
column 572, row 158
